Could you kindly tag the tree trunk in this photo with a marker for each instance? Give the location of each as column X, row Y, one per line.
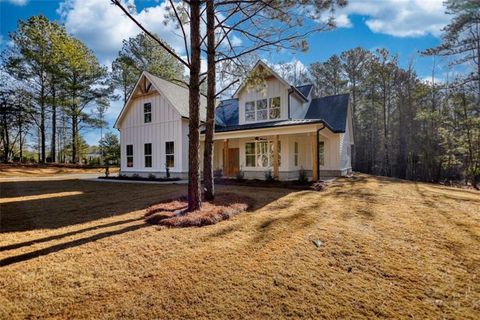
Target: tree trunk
column 53, row 151
column 6, row 137
column 42, row 124
column 210, row 121
column 74, row 139
column 194, row 192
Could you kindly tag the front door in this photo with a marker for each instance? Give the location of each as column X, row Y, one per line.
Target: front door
column 233, row 162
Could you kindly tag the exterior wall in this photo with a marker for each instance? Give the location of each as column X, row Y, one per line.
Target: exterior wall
column 166, row 125
column 298, row 108
column 275, row 88
column 288, row 170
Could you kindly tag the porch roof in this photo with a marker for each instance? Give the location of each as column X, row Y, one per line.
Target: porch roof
column 270, row 124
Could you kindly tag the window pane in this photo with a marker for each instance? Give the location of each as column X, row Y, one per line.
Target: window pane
column 148, row 149
column 250, row 116
column 148, row 161
column 250, row 148
column 275, row 108
column 170, row 161
column 262, row 114
column 130, row 150
column 147, row 107
column 296, row 147
column 250, row 160
column 147, row 117
column 262, row 104
column 275, row 113
column 321, row 153
column 129, row 161
column 169, row 147
column 250, row 106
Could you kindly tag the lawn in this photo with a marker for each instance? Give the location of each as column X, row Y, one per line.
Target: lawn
column 390, row 249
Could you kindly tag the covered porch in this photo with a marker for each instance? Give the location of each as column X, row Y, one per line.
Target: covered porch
column 281, row 153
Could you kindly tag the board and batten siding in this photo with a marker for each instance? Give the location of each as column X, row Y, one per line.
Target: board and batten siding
column 275, row 88
column 166, row 126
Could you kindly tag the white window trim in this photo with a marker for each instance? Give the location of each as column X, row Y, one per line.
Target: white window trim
column 256, row 154
column 269, row 107
column 170, row 154
column 145, row 113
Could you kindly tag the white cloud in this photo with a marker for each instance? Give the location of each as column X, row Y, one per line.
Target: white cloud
column 16, row 2
column 400, row 18
column 103, row 26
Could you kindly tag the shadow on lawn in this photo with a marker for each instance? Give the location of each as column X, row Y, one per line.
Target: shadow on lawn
column 96, row 201
column 70, row 244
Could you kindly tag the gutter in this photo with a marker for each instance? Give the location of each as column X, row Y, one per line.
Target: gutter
column 288, row 98
column 318, row 146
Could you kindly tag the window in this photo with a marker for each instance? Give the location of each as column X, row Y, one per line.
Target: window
column 275, row 108
column 129, row 155
column 147, row 112
column 261, row 154
column 169, row 154
column 250, row 154
column 321, row 153
column 250, row 111
column 148, row 155
column 264, row 109
column 295, row 153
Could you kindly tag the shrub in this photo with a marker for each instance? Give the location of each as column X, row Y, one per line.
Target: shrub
column 269, row 176
column 302, row 176
column 135, row 175
column 167, row 170
column 151, row 176
column 240, row 175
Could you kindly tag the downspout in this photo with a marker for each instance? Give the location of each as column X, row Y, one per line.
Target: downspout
column 288, row 98
column 318, row 147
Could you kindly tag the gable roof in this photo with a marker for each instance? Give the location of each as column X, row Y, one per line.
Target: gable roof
column 305, row 89
column 260, row 63
column 332, row 109
column 177, row 95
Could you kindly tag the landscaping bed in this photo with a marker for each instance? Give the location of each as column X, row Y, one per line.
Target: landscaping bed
column 135, row 178
column 171, row 213
column 296, row 185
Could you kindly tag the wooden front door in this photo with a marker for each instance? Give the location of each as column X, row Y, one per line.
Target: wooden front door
column 233, row 162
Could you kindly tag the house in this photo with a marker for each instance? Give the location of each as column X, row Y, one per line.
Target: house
column 277, row 130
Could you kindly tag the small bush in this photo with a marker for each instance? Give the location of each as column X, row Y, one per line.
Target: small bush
column 302, row 176
column 151, row 176
column 269, row 176
column 240, row 175
column 135, row 175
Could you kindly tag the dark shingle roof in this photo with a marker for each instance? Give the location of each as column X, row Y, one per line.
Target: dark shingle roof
column 226, row 113
column 305, row 89
column 332, row 109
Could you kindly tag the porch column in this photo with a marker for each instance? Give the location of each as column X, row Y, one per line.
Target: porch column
column 225, row 157
column 275, row 157
column 314, row 158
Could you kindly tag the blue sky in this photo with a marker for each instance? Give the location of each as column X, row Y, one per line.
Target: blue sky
column 404, row 27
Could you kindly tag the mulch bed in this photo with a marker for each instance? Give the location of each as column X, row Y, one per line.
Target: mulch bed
column 138, row 178
column 264, row 183
column 172, row 213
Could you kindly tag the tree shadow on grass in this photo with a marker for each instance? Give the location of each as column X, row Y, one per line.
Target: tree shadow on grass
column 95, row 201
column 67, row 245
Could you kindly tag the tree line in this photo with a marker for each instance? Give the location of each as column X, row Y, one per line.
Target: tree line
column 404, row 126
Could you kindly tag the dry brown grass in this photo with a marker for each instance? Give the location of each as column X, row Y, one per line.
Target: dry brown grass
column 171, row 213
column 412, row 251
column 18, row 170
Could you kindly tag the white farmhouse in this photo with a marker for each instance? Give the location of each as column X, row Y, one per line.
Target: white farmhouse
column 280, row 129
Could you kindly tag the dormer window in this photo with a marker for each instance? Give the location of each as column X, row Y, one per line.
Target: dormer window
column 263, row 109
column 147, row 112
